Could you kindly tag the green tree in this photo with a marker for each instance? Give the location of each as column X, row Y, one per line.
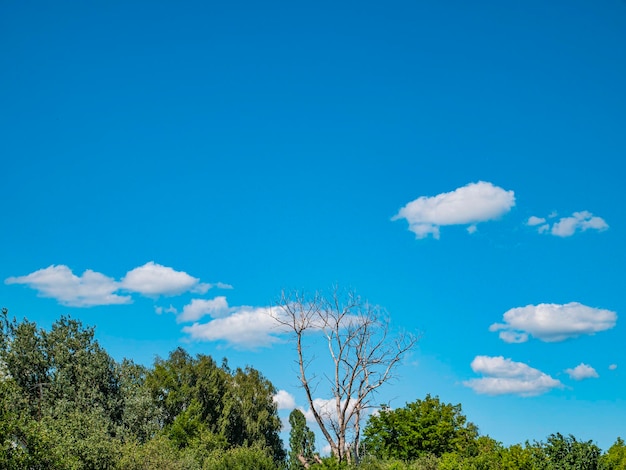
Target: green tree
column 564, row 453
column 202, row 402
column 250, row 415
column 423, row 427
column 615, row 457
column 301, row 441
column 71, row 405
column 240, row 458
column 141, row 417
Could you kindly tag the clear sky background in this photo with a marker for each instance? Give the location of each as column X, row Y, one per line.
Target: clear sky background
column 167, row 168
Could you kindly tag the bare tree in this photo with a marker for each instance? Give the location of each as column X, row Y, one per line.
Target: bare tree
column 363, row 355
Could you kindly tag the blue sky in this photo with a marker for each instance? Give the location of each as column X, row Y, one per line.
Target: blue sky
column 168, row 169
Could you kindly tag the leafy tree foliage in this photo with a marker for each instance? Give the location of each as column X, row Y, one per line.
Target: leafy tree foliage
column 301, row 441
column 65, row 403
column 564, row 453
column 202, row 401
column 425, row 426
column 615, row 458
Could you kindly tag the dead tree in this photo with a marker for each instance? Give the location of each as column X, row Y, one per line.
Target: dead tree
column 363, row 354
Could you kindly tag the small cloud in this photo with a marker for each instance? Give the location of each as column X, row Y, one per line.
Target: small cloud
column 472, row 229
column 613, row 367
column 244, row 327
column 222, row 285
column 155, row 279
column 468, row 205
column 198, row 308
column 284, row 400
column 568, row 226
column 582, row 371
column 504, row 377
column 553, row 322
column 60, row 283
column 532, row 221
column 161, row 310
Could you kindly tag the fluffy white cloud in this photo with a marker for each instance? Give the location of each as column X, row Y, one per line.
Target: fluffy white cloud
column 613, row 367
column 582, row 371
column 568, row 226
column 155, row 279
column 284, row 400
column 468, row 205
column 198, row 308
column 532, row 221
column 244, row 327
column 553, row 322
column 93, row 288
column 504, row 376
column 60, row 283
column 579, row 221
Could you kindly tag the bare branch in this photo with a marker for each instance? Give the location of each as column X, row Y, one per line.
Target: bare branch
column 363, row 354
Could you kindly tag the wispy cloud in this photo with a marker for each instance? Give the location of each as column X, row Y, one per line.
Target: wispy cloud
column 93, row 288
column 468, row 205
column 58, row 282
column 553, row 322
column 582, row 371
column 568, row 226
column 155, row 279
column 504, row 376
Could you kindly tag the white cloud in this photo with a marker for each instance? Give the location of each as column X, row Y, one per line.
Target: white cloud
column 553, row 322
column 613, row 367
column 568, row 226
column 58, row 282
column 198, row 308
column 468, row 205
column 582, row 371
column 284, row 400
column 504, row 376
column 93, row 288
column 170, row 309
column 244, row 327
column 155, row 279
column 532, row 221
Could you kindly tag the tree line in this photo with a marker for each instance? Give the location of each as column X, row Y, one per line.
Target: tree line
column 66, row 404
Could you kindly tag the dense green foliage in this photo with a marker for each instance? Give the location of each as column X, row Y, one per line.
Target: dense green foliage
column 301, row 441
column 66, row 404
column 423, row 427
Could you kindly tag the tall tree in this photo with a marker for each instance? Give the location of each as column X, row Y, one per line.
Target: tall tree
column 364, row 356
column 201, row 401
column 301, row 441
column 425, row 426
column 615, row 457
